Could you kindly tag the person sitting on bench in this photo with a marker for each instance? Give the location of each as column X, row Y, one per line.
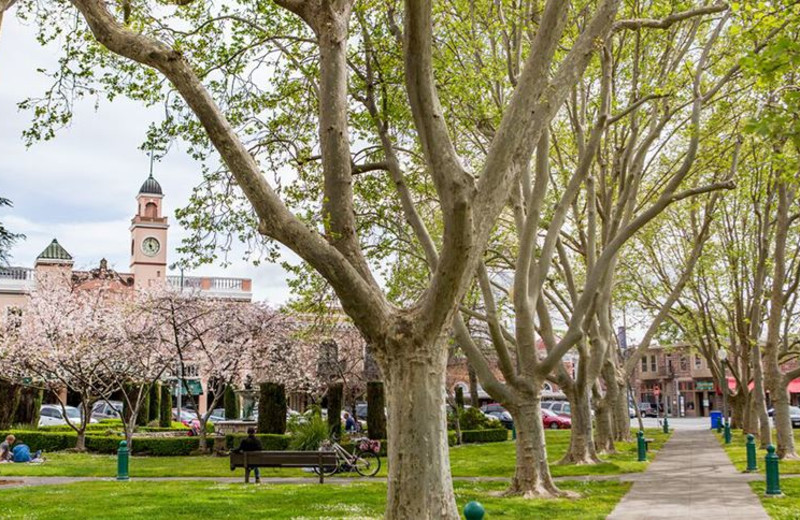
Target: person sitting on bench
column 251, row 443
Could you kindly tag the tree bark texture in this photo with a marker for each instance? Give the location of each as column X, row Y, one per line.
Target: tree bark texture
column 420, row 485
column 532, row 474
column 581, row 442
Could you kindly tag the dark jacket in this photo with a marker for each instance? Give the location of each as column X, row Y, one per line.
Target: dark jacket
column 250, row 443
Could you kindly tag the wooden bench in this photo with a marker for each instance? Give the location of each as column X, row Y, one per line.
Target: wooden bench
column 283, row 459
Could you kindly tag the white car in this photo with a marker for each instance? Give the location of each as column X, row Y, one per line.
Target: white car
column 52, row 415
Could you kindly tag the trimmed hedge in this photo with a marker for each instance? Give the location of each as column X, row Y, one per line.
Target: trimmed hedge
column 156, row 446
column 45, row 441
column 50, row 441
column 476, row 436
column 269, row 441
column 493, row 435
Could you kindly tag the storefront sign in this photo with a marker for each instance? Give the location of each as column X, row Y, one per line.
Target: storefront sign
column 704, row 385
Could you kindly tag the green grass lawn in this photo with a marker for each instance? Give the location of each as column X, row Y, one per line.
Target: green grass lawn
column 488, row 460
column 737, row 452
column 784, row 508
column 191, row 500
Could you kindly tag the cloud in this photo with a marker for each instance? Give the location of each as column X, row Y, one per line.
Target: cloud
column 80, row 188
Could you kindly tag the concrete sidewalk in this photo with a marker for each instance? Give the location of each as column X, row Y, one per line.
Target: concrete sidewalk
column 691, row 477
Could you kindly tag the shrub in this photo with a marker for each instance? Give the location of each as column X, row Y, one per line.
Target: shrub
column 269, row 441
column 272, row 408
column 165, row 408
column 309, row 435
column 231, row 401
column 155, row 446
column 473, row 419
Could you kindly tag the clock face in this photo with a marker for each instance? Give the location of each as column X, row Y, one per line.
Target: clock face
column 150, row 246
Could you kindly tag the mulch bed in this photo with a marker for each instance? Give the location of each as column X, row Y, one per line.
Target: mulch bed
column 9, row 482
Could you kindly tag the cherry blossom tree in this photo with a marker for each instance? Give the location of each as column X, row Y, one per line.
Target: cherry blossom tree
column 64, row 340
column 220, row 341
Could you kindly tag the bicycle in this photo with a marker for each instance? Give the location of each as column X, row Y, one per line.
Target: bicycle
column 364, row 459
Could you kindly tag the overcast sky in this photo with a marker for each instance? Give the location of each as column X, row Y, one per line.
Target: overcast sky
column 80, row 188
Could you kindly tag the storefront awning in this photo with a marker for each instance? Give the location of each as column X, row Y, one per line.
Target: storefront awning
column 794, row 385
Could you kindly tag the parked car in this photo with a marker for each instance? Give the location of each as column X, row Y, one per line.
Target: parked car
column 648, row 410
column 493, row 407
column 554, row 421
column 217, row 415
column 631, row 411
column 504, row 417
column 107, row 410
column 558, row 407
column 794, row 415
column 53, row 415
column 361, row 411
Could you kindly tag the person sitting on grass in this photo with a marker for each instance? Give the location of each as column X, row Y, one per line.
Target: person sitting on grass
column 5, row 449
column 350, row 424
column 251, row 443
column 22, row 453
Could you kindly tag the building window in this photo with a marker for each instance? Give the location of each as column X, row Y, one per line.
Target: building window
column 644, row 363
column 652, row 363
column 684, row 363
column 151, row 210
column 698, row 362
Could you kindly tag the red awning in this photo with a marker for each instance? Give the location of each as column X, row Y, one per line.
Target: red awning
column 794, row 386
column 732, row 384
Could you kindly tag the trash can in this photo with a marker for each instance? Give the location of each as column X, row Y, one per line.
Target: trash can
column 716, row 419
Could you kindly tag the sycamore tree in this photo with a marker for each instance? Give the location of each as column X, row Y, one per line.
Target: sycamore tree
column 200, row 47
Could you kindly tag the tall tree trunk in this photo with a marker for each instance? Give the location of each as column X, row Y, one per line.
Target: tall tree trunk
column 420, row 485
column 80, row 442
column 581, row 443
column 155, row 402
column 783, row 422
column 532, row 474
column 622, row 418
column 759, row 401
column 604, row 424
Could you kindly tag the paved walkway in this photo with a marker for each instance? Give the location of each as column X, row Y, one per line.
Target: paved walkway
column 691, row 478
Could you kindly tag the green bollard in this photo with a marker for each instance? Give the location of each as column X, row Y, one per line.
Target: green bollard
column 641, row 447
column 752, row 464
column 773, row 478
column 727, row 432
column 474, row 511
column 666, row 425
column 719, row 426
column 122, row 461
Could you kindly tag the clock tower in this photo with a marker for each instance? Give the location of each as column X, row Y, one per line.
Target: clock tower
column 149, row 237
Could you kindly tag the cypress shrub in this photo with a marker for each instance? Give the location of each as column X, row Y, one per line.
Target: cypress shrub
column 460, row 398
column 272, row 408
column 143, row 417
column 155, row 402
column 231, row 403
column 376, row 416
column 335, row 401
column 30, row 403
column 9, row 399
column 165, row 408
